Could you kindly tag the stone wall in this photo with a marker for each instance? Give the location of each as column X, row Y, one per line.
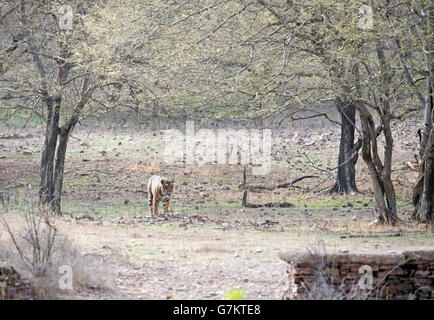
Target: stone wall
column 406, row 275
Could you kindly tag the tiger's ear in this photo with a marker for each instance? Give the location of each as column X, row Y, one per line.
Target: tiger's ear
column 162, row 181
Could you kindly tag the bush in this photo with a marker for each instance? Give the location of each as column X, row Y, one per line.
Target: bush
column 44, row 255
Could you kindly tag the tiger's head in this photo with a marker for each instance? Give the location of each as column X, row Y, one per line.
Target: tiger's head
column 166, row 187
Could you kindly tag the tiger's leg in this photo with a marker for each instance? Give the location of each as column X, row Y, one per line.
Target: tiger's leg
column 150, row 198
column 166, row 206
column 155, row 206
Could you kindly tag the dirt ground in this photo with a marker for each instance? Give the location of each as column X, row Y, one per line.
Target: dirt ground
column 208, row 244
column 151, row 261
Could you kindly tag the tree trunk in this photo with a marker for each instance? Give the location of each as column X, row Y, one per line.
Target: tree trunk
column 46, row 186
column 54, row 150
column 346, row 178
column 59, row 170
column 52, row 167
column 423, row 192
column 384, row 192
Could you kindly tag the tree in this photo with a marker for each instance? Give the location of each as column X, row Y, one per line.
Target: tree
column 67, row 69
column 54, row 92
column 351, row 63
column 417, row 20
column 422, row 23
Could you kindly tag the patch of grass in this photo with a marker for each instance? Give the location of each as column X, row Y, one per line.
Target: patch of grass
column 235, row 294
column 104, row 208
column 3, row 184
column 331, row 201
column 20, row 118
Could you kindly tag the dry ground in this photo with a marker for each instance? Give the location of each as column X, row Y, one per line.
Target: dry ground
column 202, row 262
column 208, row 244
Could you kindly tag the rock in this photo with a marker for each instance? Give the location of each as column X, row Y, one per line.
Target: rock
column 13, row 286
column 8, row 273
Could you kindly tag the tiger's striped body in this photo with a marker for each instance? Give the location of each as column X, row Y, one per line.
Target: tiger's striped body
column 159, row 189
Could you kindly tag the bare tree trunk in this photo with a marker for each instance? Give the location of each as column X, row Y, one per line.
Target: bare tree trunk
column 384, row 192
column 59, row 170
column 346, row 178
column 46, row 186
column 423, row 192
column 385, row 115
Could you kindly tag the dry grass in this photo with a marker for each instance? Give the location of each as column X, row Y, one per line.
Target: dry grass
column 36, row 248
column 323, row 286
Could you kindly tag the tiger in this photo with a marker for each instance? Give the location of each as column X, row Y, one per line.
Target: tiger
column 159, row 189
